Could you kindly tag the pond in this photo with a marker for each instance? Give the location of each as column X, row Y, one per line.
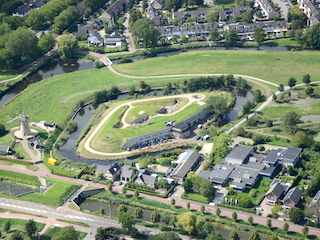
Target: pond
column 53, row 68
column 15, row 189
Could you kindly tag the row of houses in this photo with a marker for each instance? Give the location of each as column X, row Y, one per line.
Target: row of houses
column 186, row 163
column 23, row 10
column 311, row 9
column 242, row 168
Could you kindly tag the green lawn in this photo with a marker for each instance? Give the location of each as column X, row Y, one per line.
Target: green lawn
column 275, row 67
column 19, row 178
column 282, row 42
column 21, row 222
column 54, row 195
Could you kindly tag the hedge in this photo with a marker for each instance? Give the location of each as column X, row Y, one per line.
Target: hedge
column 249, row 210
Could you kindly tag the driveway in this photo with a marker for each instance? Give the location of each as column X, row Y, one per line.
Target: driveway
column 266, row 208
column 283, row 9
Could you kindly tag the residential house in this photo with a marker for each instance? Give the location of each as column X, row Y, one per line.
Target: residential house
column 186, row 162
column 284, row 157
column 109, row 172
column 267, row 8
column 219, row 174
column 126, row 175
column 95, row 38
column 23, row 10
column 292, row 198
column 239, row 154
column 113, row 11
column 246, row 31
column 314, row 205
column 82, row 30
column 311, row 9
column 148, row 179
column 96, row 24
column 154, row 15
column 158, row 4
column 5, row 149
column 276, row 192
column 114, row 40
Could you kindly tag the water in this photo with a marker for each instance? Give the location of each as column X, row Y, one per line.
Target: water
column 53, row 68
column 15, row 189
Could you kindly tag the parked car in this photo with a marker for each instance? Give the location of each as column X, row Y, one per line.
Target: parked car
column 198, row 138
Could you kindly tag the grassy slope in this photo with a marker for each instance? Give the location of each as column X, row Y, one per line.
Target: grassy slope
column 275, row 67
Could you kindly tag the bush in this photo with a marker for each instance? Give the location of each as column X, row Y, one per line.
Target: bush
column 72, row 126
column 125, row 60
column 98, row 64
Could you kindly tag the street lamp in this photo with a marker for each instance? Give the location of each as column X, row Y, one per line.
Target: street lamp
column 9, row 189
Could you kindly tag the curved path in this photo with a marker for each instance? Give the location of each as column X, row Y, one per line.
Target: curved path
column 106, row 118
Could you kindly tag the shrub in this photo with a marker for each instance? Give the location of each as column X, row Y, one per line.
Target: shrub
column 98, row 64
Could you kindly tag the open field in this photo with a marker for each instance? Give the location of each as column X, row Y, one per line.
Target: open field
column 276, row 67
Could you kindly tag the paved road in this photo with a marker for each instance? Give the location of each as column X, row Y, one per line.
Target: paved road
column 179, row 202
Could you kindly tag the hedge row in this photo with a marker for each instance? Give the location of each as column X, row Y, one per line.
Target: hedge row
column 249, row 210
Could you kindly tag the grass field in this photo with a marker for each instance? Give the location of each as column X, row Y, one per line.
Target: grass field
column 276, row 67
column 54, row 195
column 21, row 222
column 19, row 178
column 282, row 42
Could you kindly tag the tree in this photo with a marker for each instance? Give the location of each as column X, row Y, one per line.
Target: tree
column 285, row 226
column 281, row 87
column 122, row 208
column 46, row 42
column 272, row 237
column 126, row 220
column 155, row 217
column 230, row 37
column 250, row 220
column 292, row 82
column 188, row 205
column 143, row 31
column 138, row 213
column 187, row 185
column 309, row 90
column 274, row 97
column 259, row 35
column 173, row 202
column 295, row 214
column 166, row 236
column 214, row 34
column 254, row 236
column 187, row 222
column 213, row 16
column 163, row 183
column 17, row 235
column 166, row 218
column 305, row 230
column 269, row 223
column 234, row 216
column 202, row 208
column 269, row 123
column 306, row 79
column 67, row 46
column 100, row 232
column 147, row 160
column 234, row 235
column 101, row 211
column 72, row 126
column 257, row 96
column 247, row 106
column 110, row 187
column 124, row 190
column 2, row 130
column 67, row 233
column 218, row 212
column 219, row 105
column 174, row 4
column 31, row 228
column 215, row 236
column 65, row 19
column 36, row 19
column 290, row 121
column 311, row 37
column 274, row 211
column 7, row 225
column 136, row 193
column 302, row 140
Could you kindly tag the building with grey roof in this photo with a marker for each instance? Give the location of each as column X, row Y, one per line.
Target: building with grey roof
column 311, row 9
column 219, row 174
column 275, row 193
column 290, row 156
column 267, row 8
column 114, row 40
column 126, row 175
column 292, row 198
column 239, row 154
column 187, row 161
column 6, row 149
column 315, row 205
column 147, row 179
column 109, row 172
column 243, row 178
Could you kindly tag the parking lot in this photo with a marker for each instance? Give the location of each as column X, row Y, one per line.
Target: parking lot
column 284, row 6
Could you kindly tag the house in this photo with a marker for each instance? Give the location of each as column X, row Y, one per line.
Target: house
column 311, row 9
column 186, row 162
column 109, row 172
column 284, row 157
column 276, row 192
column 239, row 154
column 50, row 124
column 158, row 4
column 157, row 168
column 219, row 174
column 96, row 24
column 153, row 14
column 5, row 149
column 114, row 40
column 148, row 179
column 23, row 10
column 267, row 9
column 292, row 198
column 83, row 30
column 95, row 38
column 113, row 11
column 126, row 175
column 314, row 205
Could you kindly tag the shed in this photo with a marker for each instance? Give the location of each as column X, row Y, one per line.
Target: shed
column 52, row 161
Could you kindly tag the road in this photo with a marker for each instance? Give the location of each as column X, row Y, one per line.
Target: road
column 64, row 212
